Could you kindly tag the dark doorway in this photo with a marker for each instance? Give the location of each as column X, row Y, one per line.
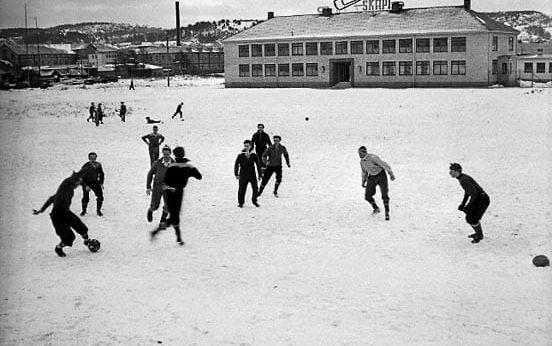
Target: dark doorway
column 341, row 71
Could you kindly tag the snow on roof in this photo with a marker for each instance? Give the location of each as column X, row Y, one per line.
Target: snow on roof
column 448, row 19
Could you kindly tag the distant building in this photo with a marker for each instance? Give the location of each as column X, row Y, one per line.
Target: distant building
column 184, row 59
column 535, row 48
column 537, row 68
column 450, row 46
column 31, row 55
column 103, row 55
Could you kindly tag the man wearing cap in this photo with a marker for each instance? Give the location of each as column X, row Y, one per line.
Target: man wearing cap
column 478, row 200
column 157, row 174
column 176, row 179
column 373, row 174
column 153, row 140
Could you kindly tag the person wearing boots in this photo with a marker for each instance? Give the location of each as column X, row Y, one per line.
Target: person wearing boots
column 157, row 174
column 475, row 202
column 176, row 179
column 373, row 174
column 244, row 170
column 260, row 140
column 92, row 179
column 272, row 158
column 153, row 140
column 92, row 112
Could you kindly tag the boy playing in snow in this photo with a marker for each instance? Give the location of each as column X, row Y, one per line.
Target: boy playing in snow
column 272, row 157
column 158, row 169
column 244, row 170
column 62, row 217
column 92, row 179
column 478, row 200
column 373, row 174
column 153, row 140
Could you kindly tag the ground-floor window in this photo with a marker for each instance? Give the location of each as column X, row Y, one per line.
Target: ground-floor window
column 440, row 67
column 495, row 66
column 270, row 70
column 389, row 68
column 244, row 70
column 458, row 67
column 312, row 69
column 541, row 67
column 405, row 68
column 422, row 68
column 283, row 70
column 256, row 70
column 528, row 67
column 373, row 68
column 297, row 70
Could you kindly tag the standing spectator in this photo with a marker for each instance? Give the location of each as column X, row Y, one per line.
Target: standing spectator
column 92, row 111
column 158, row 169
column 122, row 112
column 260, row 141
column 272, row 157
column 373, row 174
column 244, row 170
column 153, row 140
column 62, row 217
column 178, row 110
column 478, row 201
column 176, row 179
column 131, row 87
column 99, row 115
column 92, row 179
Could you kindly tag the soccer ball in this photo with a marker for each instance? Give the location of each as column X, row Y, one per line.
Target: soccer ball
column 93, row 245
column 541, row 261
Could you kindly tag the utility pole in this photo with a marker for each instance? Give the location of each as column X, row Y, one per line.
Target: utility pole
column 37, row 48
column 168, row 64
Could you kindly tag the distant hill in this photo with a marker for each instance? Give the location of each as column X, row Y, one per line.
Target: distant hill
column 534, row 25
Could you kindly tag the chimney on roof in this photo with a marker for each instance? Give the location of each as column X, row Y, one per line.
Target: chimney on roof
column 397, row 6
column 325, row 11
column 177, row 6
column 270, row 15
column 467, row 4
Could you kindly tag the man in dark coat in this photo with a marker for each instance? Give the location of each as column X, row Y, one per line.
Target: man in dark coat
column 272, row 157
column 122, row 112
column 178, row 110
column 153, row 140
column 244, row 170
column 478, row 201
column 62, row 217
column 260, row 141
column 157, row 175
column 92, row 179
column 92, row 111
column 176, row 179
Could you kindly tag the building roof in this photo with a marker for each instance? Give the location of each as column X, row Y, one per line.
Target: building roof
column 20, row 49
column 433, row 20
column 535, row 57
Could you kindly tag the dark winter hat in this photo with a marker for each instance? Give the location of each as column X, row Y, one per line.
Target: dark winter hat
column 455, row 167
column 178, row 152
column 166, row 147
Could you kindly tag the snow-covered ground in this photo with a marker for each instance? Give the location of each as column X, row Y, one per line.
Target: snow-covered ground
column 312, row 267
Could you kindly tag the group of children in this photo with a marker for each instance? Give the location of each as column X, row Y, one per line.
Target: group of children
column 96, row 113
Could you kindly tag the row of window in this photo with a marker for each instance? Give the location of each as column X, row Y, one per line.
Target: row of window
column 422, row 45
column 375, row 68
column 541, row 67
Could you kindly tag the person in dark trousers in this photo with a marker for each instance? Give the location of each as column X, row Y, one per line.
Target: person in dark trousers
column 92, row 179
column 176, row 179
column 244, row 170
column 92, row 111
column 153, row 140
column 152, row 121
column 475, row 202
column 63, row 219
column 373, row 174
column 131, row 87
column 122, row 112
column 260, row 141
column 157, row 175
column 272, row 158
column 178, row 110
column 98, row 119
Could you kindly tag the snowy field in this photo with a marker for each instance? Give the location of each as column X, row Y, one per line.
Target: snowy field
column 312, row 267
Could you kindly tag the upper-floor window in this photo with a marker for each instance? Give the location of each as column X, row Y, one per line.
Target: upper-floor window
column 458, row 44
column 405, row 45
column 297, row 48
column 341, row 47
column 270, row 49
column 372, row 47
column 511, row 44
column 283, row 49
column 440, row 44
column 357, row 47
column 326, row 48
column 243, row 50
column 389, row 47
column 422, row 45
column 311, row 48
column 495, row 43
column 256, row 50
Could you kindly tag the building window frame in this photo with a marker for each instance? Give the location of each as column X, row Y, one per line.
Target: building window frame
column 256, row 70
column 458, row 67
column 372, row 46
column 243, row 51
column 511, row 44
column 311, row 69
column 270, row 70
column 495, row 66
column 423, row 68
column 269, row 49
column 373, row 68
column 458, row 44
column 326, row 48
column 297, row 69
column 541, row 67
column 405, row 68
column 297, row 48
column 341, row 47
column 405, row 45
column 440, row 45
column 256, row 50
column 528, row 67
column 494, row 44
column 389, row 68
column 283, row 70
column 440, row 67
column 423, row 45
column 283, row 49
column 311, row 48
column 357, row 47
column 243, row 70
column 389, row 46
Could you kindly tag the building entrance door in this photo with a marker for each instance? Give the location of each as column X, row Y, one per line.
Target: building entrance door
column 341, row 70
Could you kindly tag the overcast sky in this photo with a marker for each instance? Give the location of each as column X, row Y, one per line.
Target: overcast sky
column 160, row 13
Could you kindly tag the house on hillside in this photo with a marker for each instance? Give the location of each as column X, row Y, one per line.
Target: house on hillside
column 449, row 46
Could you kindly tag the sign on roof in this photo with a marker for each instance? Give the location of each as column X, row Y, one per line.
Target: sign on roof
column 366, row 5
